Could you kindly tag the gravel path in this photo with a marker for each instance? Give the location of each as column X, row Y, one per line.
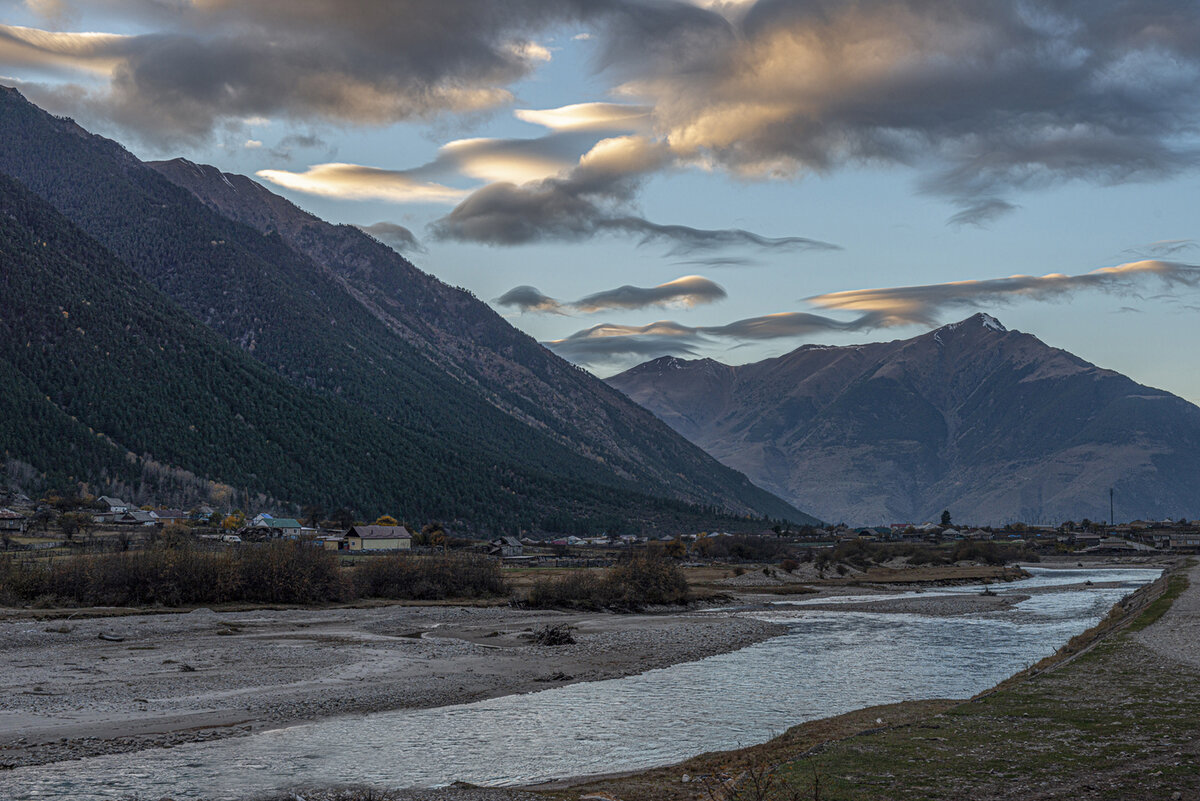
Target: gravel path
column 1177, row 634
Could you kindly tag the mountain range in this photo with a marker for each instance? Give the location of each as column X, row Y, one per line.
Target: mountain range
column 227, row 338
column 990, row 424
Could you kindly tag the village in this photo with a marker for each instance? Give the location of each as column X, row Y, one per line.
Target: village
column 55, row 522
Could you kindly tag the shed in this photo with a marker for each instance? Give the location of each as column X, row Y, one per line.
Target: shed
column 379, row 538
column 12, row 521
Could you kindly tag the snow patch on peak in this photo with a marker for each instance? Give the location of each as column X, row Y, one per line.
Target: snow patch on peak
column 991, row 322
column 985, row 320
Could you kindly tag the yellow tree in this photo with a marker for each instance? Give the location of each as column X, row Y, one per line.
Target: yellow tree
column 386, row 520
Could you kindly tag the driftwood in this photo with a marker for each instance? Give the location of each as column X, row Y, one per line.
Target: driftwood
column 110, row 637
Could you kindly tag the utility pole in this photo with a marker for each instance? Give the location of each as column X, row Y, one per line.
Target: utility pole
column 1111, row 519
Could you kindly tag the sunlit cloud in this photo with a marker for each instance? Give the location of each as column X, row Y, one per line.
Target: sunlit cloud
column 599, row 117
column 688, row 291
column 924, row 304
column 593, row 198
column 685, row 292
column 98, row 53
column 356, row 182
column 357, row 62
column 512, row 160
column 874, row 308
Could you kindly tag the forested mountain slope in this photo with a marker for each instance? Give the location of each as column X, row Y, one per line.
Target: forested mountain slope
column 314, row 329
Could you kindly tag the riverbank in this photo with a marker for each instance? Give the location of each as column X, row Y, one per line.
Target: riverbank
column 1117, row 718
column 103, row 685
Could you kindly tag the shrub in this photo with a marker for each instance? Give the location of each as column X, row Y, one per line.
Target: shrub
column 428, row 578
column 174, row 573
column 629, row 586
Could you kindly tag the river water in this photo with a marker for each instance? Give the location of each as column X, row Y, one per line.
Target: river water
column 826, row 664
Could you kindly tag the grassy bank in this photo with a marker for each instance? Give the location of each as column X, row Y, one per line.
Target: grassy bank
column 1108, row 719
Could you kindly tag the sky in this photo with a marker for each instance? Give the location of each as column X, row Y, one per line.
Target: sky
column 626, row 179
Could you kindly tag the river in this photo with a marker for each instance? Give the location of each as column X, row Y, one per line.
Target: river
column 826, row 664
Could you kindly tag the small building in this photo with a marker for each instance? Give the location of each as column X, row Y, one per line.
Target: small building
column 333, row 542
column 1185, row 540
column 133, row 517
column 169, row 515
column 274, row 527
column 113, row 505
column 378, row 538
column 506, row 547
column 12, row 522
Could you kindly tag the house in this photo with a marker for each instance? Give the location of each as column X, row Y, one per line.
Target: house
column 1188, row 540
column 113, row 505
column 274, row 527
column 203, row 513
column 378, row 538
column 169, row 515
column 334, row 542
column 506, row 546
column 11, row 521
column 132, row 517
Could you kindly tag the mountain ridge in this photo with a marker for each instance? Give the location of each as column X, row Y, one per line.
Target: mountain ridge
column 991, row 423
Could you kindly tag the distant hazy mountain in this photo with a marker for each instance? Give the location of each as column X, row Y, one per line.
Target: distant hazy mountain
column 992, row 424
column 485, row 424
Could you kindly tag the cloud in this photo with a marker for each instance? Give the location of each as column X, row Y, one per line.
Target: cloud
column 529, row 299
column 98, row 53
column 292, row 142
column 356, row 62
column 397, row 236
column 691, row 290
column 600, row 117
column 982, row 98
column 719, row 261
column 875, row 308
column 923, row 304
column 685, row 292
column 981, row 212
column 594, row 198
column 356, row 182
column 605, row 342
column 506, row 160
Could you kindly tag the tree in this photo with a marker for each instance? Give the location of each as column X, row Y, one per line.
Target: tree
column 313, row 514
column 946, row 518
column 343, row 517
column 676, row 549
column 385, row 520
column 73, row 523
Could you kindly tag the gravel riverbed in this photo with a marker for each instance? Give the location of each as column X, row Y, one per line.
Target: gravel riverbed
column 80, row 688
